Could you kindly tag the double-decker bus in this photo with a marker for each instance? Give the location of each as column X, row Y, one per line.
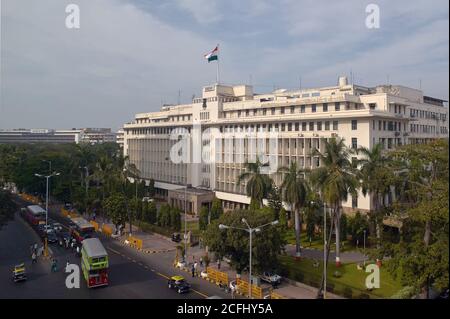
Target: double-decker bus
column 35, row 215
column 94, row 263
column 81, row 229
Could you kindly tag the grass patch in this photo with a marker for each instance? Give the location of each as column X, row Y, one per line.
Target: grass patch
column 351, row 284
column 316, row 242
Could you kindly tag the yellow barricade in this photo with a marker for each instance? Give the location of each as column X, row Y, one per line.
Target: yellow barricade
column 217, row 276
column 95, row 224
column 107, row 230
column 274, row 295
column 64, row 212
column 135, row 242
column 242, row 287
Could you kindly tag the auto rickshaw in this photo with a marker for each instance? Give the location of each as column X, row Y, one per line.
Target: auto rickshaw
column 19, row 273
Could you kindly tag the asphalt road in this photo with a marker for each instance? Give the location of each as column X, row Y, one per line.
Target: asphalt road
column 132, row 274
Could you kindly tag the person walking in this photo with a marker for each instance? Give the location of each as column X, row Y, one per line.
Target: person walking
column 33, row 258
column 193, row 270
column 218, row 264
column 201, row 262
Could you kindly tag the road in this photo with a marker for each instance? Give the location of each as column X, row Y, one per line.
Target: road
column 132, row 274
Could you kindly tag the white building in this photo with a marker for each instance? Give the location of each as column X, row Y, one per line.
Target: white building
column 388, row 114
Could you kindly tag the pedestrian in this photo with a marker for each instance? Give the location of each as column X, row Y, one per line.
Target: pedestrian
column 201, row 262
column 195, row 268
column 193, row 271
column 78, row 250
column 35, row 247
column 218, row 264
column 67, row 264
column 93, row 216
column 33, row 258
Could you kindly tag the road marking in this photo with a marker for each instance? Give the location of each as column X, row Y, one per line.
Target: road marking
column 162, row 275
column 113, row 250
column 200, row 293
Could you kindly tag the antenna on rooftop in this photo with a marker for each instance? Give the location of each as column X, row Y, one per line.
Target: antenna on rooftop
column 179, row 96
column 300, row 82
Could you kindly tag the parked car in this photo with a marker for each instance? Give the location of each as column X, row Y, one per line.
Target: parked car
column 176, row 237
column 271, row 278
column 179, row 284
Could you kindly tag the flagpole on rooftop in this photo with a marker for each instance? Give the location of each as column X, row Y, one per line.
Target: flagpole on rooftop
column 218, row 73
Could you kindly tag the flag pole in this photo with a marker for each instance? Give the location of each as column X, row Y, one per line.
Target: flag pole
column 218, row 73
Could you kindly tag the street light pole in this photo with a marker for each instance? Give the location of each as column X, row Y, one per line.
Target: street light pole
column 250, row 230
column 46, row 202
column 364, row 251
column 324, row 250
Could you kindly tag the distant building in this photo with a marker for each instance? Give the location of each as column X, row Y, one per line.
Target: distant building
column 98, row 135
column 17, row 136
column 86, row 135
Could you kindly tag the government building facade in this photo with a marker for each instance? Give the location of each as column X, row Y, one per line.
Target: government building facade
column 296, row 121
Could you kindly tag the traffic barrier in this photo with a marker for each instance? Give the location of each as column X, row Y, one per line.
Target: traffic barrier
column 242, row 288
column 274, row 295
column 95, row 224
column 135, row 242
column 107, row 230
column 64, row 212
column 218, row 277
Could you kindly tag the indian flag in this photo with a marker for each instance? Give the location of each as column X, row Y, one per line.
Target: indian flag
column 213, row 55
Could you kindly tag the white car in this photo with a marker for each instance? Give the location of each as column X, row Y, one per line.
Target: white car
column 271, row 278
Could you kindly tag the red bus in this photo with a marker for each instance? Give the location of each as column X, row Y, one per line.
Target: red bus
column 81, row 229
column 35, row 215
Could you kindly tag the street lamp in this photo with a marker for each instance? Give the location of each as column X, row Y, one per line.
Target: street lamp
column 364, row 250
column 250, row 230
column 47, row 177
column 324, row 249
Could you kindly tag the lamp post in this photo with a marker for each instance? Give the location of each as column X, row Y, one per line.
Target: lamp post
column 364, row 249
column 250, row 230
column 47, row 177
column 324, row 249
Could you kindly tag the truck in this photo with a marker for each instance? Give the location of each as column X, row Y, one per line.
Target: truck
column 94, row 263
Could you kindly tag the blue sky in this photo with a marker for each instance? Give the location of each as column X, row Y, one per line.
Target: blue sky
column 131, row 56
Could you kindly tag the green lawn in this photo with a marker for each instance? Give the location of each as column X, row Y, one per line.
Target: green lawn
column 350, row 285
column 191, row 226
column 316, row 242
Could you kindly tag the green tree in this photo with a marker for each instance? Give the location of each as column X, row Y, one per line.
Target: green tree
column 376, row 180
column 164, row 216
column 295, row 192
column 116, row 209
column 216, row 208
column 7, row 208
column 335, row 179
column 203, row 218
column 421, row 256
column 274, row 201
column 234, row 244
column 258, row 184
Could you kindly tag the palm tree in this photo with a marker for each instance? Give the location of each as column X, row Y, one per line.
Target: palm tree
column 103, row 173
column 295, row 192
column 258, row 184
column 376, row 180
column 335, row 179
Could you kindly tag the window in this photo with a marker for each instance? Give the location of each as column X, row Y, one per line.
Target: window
column 325, row 107
column 292, row 109
column 282, row 110
column 303, row 126
column 319, row 126
column 337, row 106
column 264, row 111
column 311, row 126
column 247, row 112
column 313, row 108
column 317, row 161
column 354, row 143
column 315, row 94
column 302, row 109
column 354, row 125
column 327, row 125
column 297, row 126
column 290, row 127
column 335, row 125
column 273, row 111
